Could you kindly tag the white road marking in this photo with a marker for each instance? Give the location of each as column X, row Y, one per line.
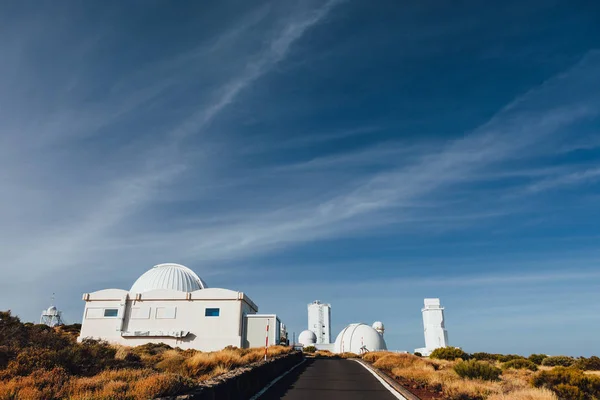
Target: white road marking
column 384, row 383
column 274, row 381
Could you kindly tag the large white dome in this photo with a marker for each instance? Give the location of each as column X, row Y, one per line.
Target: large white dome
column 359, row 338
column 168, row 276
column 307, row 338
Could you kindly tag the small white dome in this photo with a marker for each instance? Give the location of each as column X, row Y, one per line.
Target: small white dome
column 52, row 310
column 359, row 338
column 378, row 326
column 307, row 338
column 168, row 276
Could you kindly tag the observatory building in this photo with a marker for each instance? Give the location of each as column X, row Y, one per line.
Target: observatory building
column 51, row 317
column 436, row 335
column 171, row 304
column 319, row 321
column 356, row 338
column 360, row 338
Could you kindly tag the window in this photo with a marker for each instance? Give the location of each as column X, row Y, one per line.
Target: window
column 111, row 312
column 140, row 312
column 211, row 312
column 166, row 312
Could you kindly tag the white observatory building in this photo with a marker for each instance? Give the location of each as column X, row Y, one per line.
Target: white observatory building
column 307, row 338
column 51, row 317
column 436, row 335
column 360, row 338
column 319, row 321
column 171, row 304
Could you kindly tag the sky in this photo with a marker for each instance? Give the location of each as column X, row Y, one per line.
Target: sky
column 367, row 155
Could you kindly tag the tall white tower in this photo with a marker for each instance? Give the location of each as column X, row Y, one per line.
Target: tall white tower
column 319, row 321
column 436, row 335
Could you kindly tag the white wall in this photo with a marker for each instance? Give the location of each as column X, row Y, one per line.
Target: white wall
column 436, row 335
column 257, row 330
column 316, row 312
column 162, row 315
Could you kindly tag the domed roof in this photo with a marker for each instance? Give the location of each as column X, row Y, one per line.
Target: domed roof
column 168, row 276
column 378, row 326
column 307, row 338
column 359, row 338
column 52, row 310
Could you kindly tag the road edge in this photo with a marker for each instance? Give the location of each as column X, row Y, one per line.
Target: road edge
column 390, row 384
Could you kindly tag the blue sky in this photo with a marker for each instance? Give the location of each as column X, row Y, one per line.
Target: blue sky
column 364, row 155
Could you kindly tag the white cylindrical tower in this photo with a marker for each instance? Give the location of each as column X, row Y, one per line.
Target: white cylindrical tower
column 319, row 321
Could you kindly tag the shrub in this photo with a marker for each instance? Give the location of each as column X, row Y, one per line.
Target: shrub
column 31, row 359
column 13, row 334
column 5, row 356
column 520, row 363
column 474, row 369
column 485, row 356
column 159, row 385
column 88, row 358
column 416, row 353
column 348, row 354
column 310, row 349
column 41, row 384
column 151, row 349
column 395, row 360
column 509, row 357
column 537, row 358
column 558, row 361
column 588, row 364
column 373, row 356
column 569, row 383
column 449, row 353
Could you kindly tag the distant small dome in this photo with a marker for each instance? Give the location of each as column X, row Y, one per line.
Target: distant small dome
column 359, row 338
column 307, row 338
column 168, row 276
column 52, row 310
column 378, row 326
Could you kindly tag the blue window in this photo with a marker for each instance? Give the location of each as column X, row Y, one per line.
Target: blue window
column 111, row 312
column 211, row 312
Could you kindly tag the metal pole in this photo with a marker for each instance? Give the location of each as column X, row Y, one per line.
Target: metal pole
column 267, row 340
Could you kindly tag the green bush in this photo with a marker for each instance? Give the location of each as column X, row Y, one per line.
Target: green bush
column 537, row 358
column 558, row 361
column 588, row 364
column 520, row 363
column 509, row 357
column 416, row 353
column 474, row 369
column 485, row 356
column 569, row 383
column 449, row 353
column 310, row 349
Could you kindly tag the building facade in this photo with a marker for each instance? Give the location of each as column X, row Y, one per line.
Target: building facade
column 319, row 321
column 171, row 304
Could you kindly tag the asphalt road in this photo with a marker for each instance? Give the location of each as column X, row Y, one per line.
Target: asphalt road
column 328, row 379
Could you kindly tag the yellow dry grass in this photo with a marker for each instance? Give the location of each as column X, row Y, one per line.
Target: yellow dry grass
column 169, row 372
column 525, row 394
column 440, row 375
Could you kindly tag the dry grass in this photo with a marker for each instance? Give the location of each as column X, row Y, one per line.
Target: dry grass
column 167, row 372
column 348, row 354
column 525, row 394
column 440, row 375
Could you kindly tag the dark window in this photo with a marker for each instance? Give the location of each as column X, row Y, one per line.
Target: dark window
column 111, row 312
column 211, row 312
